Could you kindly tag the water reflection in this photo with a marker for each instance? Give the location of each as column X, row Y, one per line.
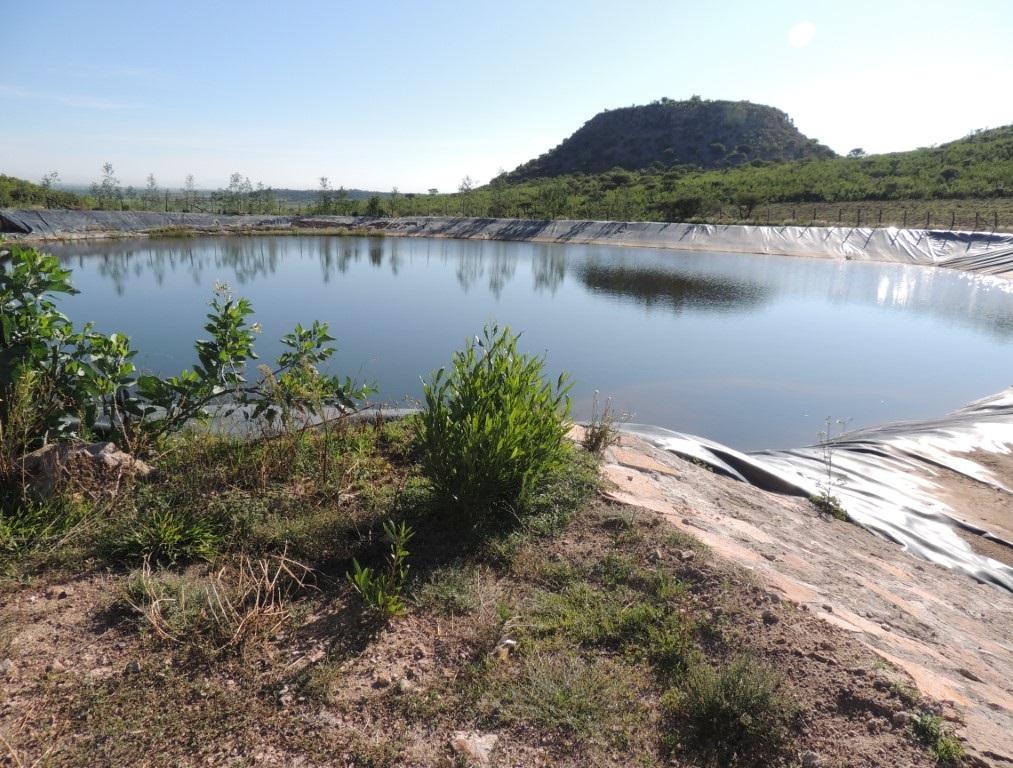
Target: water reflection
column 748, row 350
column 662, row 288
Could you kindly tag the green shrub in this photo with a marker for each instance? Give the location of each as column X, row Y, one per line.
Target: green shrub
column 64, row 374
column 493, row 427
column 381, row 590
column 733, row 716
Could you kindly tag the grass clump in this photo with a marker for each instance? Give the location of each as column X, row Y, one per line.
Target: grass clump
column 931, row 731
column 731, row 716
column 493, row 428
column 214, row 611
column 602, row 431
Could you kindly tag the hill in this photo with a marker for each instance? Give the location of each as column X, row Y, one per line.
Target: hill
column 666, row 133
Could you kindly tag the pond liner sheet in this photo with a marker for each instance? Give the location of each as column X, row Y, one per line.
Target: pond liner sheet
column 986, row 252
column 880, row 477
column 879, row 474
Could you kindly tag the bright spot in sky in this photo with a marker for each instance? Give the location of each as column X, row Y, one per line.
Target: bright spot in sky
column 801, row 34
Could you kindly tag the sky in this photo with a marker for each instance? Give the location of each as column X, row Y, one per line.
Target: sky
column 419, row 94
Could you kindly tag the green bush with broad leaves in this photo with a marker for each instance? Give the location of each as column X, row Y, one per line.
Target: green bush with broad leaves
column 56, row 380
column 53, row 377
column 493, row 426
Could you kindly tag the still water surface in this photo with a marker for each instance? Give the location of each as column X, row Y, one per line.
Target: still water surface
column 751, row 351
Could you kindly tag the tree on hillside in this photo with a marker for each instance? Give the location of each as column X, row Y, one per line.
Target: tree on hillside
column 47, row 185
column 152, row 193
column 189, row 191
column 856, row 153
column 325, row 197
column 236, row 198
column 108, row 193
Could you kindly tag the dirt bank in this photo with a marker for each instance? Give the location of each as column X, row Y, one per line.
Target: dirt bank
column 949, row 633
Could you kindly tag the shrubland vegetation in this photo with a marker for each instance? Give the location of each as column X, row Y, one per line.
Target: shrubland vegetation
column 256, row 585
column 695, row 161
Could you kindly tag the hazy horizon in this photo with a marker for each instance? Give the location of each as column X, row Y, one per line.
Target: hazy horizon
column 418, row 96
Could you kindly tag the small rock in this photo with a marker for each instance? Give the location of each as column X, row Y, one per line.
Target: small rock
column 6, row 667
column 902, row 719
column 686, row 555
column 473, row 746
column 821, row 658
column 969, row 674
column 503, row 649
column 770, row 556
column 58, row 593
column 133, row 667
column 56, row 666
column 811, row 760
column 769, row 617
column 382, row 680
column 827, row 607
column 404, row 685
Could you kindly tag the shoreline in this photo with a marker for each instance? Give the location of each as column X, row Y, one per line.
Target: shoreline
column 983, row 252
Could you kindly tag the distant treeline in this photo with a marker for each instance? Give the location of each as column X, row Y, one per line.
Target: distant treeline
column 963, row 184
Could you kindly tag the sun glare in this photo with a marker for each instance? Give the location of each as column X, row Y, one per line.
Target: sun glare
column 801, row 34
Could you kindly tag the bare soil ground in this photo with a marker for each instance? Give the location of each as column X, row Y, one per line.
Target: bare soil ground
column 864, row 637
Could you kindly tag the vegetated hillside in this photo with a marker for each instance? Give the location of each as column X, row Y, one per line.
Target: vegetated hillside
column 18, row 193
column 666, row 133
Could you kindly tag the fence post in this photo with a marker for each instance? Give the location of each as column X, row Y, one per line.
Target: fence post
column 996, row 225
column 859, row 216
column 953, row 219
column 928, row 219
column 904, row 210
column 975, row 221
column 880, row 215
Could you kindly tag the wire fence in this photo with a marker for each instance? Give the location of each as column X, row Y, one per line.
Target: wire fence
column 938, row 216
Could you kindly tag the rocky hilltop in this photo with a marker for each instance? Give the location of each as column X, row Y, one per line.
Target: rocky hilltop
column 667, row 133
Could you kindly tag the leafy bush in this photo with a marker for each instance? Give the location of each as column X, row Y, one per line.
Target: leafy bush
column 64, row 374
column 56, row 380
column 493, row 428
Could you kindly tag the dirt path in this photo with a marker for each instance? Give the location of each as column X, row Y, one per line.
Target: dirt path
column 951, row 634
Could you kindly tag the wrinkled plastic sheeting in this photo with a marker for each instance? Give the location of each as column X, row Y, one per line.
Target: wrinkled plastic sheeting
column 879, row 476
column 56, row 223
column 987, row 252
